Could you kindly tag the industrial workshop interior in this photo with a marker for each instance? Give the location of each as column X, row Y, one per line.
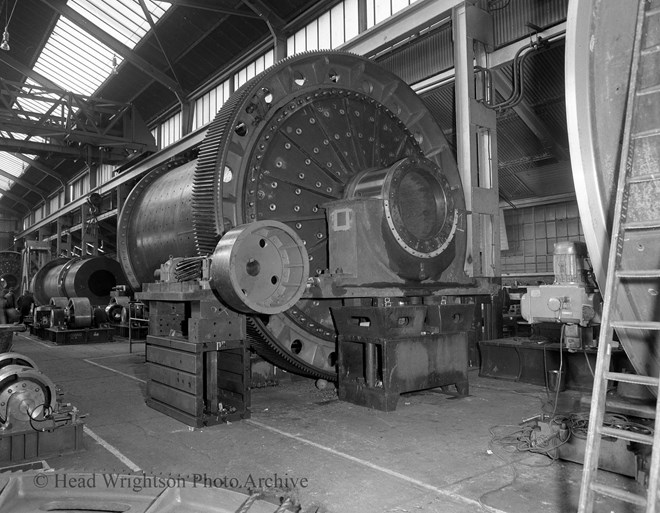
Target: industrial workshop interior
column 329, row 256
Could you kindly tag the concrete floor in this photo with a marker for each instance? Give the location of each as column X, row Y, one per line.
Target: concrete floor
column 430, row 455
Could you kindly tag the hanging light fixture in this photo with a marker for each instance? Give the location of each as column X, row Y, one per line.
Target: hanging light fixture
column 114, row 65
column 5, row 41
column 4, row 45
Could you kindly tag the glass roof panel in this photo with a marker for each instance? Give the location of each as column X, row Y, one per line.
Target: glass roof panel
column 11, row 164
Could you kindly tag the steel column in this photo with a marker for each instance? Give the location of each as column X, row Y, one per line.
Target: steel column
column 476, row 143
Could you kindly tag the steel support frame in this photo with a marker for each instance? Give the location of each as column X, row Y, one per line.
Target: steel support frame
column 476, row 140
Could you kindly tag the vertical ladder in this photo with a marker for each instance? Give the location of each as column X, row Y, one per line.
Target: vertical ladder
column 632, row 268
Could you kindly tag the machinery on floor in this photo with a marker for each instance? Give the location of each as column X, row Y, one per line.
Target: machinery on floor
column 322, row 183
column 34, row 420
column 71, row 321
column 71, row 299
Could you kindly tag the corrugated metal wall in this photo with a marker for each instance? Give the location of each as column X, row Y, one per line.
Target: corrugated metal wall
column 510, row 17
column 422, row 58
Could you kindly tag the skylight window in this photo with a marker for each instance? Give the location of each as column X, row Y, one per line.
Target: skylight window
column 78, row 62
column 10, row 164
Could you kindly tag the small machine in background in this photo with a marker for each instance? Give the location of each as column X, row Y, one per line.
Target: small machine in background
column 568, row 312
column 571, row 300
column 72, row 299
column 71, row 321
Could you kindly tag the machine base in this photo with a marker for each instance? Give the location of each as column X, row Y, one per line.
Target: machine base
column 29, row 445
column 406, row 365
column 80, row 336
column 382, row 354
column 137, row 332
column 199, row 384
column 527, row 360
column 198, row 361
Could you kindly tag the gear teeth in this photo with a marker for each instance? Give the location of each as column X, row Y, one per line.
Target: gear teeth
column 265, row 347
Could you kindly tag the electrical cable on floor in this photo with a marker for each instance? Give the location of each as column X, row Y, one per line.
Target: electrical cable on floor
column 482, row 497
column 579, row 424
column 530, row 438
column 511, row 440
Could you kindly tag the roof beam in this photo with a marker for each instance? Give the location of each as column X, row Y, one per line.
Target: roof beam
column 147, row 16
column 275, row 25
column 264, row 12
column 21, row 68
column 16, row 198
column 530, row 118
column 24, row 183
column 9, row 212
column 41, row 167
column 131, row 173
column 404, row 24
column 507, row 53
column 116, row 46
column 38, row 148
column 205, row 6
